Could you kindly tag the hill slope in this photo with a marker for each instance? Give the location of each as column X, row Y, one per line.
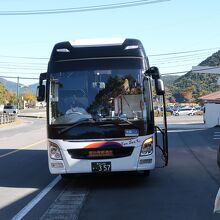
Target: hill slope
column 12, row 86
column 193, row 85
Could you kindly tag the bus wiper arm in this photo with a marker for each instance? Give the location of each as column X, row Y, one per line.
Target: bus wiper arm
column 128, row 122
column 79, row 122
column 119, row 121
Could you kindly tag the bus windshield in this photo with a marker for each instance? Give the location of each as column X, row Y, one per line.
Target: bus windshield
column 98, row 95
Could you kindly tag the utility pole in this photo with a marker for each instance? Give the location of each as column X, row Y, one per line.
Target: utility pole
column 18, row 92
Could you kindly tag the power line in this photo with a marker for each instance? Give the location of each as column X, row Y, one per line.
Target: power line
column 150, row 55
column 173, row 66
column 83, row 9
column 181, row 57
column 15, row 77
column 18, row 63
column 11, row 67
column 172, row 73
column 38, row 73
column 183, row 52
column 181, row 72
column 171, row 60
column 30, row 58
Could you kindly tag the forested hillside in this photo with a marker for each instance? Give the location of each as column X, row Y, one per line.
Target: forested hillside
column 193, row 85
column 169, row 80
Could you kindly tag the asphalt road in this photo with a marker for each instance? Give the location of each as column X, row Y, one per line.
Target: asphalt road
column 186, row 189
column 23, row 165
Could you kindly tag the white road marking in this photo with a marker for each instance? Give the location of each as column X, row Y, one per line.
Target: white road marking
column 37, row 199
column 67, row 205
column 22, row 148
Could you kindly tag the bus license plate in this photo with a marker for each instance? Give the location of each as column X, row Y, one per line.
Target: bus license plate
column 101, row 167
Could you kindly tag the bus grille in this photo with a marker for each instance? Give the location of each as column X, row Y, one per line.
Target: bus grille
column 107, row 153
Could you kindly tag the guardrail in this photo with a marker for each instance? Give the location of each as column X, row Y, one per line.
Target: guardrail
column 7, row 118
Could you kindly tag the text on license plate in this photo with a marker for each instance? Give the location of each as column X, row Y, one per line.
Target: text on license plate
column 101, row 167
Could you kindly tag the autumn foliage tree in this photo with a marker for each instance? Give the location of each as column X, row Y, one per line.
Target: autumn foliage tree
column 6, row 96
column 29, row 97
column 188, row 93
column 2, row 93
column 11, row 97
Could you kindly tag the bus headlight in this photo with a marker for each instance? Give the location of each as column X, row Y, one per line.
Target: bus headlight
column 54, row 151
column 147, row 147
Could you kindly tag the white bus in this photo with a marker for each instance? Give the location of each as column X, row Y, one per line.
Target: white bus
column 100, row 114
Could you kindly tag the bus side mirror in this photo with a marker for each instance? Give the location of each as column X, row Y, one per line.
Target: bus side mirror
column 159, row 86
column 155, row 74
column 40, row 93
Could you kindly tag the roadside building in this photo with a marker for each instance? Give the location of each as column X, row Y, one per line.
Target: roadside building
column 211, row 109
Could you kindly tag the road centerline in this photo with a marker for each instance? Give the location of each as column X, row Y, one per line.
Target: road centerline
column 22, row 148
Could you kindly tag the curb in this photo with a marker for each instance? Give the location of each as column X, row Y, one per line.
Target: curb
column 31, row 116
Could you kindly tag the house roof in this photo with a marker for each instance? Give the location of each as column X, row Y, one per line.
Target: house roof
column 212, row 97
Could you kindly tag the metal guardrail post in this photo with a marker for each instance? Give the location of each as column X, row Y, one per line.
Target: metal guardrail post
column 7, row 118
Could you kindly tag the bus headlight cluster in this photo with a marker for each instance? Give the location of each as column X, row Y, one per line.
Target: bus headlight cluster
column 147, row 147
column 54, row 151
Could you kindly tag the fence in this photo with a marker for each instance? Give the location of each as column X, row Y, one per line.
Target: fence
column 7, row 118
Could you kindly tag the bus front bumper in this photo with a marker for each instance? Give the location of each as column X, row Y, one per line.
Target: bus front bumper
column 131, row 163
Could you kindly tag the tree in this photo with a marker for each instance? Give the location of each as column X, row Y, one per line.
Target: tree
column 29, row 97
column 188, row 93
column 3, row 94
column 7, row 96
column 11, row 97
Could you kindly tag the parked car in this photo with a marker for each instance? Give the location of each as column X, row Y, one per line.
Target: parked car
column 10, row 109
column 170, row 109
column 184, row 111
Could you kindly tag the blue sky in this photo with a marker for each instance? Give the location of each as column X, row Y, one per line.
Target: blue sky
column 167, row 27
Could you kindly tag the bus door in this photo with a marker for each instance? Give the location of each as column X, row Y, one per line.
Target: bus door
column 161, row 141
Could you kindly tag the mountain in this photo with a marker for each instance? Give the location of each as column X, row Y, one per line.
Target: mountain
column 169, row 80
column 13, row 86
column 33, row 87
column 191, row 86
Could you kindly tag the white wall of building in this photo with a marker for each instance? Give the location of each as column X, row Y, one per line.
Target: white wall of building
column 212, row 114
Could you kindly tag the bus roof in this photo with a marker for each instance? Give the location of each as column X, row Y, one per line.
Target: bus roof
column 97, row 42
column 97, row 48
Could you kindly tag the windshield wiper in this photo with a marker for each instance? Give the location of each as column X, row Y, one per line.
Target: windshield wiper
column 79, row 122
column 128, row 122
column 119, row 121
